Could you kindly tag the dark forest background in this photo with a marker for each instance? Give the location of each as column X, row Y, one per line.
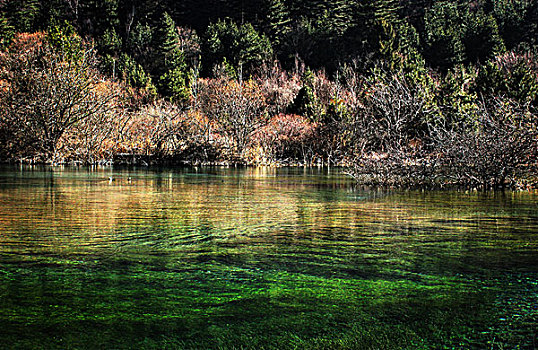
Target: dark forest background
column 322, row 34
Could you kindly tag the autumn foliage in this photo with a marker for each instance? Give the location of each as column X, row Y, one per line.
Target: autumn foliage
column 395, row 126
column 287, row 137
column 49, row 87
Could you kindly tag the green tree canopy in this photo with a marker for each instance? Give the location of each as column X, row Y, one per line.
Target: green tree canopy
column 443, row 46
column 240, row 45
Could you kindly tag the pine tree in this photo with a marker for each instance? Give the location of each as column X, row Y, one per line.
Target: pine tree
column 96, row 16
column 386, row 11
column 510, row 16
column 167, row 54
column 481, row 37
column 531, row 25
column 276, row 20
column 57, row 11
column 443, row 36
column 373, row 23
column 340, row 13
column 242, row 46
column 22, row 14
column 168, row 64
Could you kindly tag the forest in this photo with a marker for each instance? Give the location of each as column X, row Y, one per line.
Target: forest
column 403, row 93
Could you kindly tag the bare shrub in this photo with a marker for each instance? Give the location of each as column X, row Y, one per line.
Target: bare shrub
column 47, row 90
column 236, row 110
column 400, row 168
column 165, row 131
column 395, row 112
column 288, row 138
column 279, row 87
column 388, row 128
column 490, row 147
column 95, row 139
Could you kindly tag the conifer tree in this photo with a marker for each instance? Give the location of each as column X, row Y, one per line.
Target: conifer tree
column 481, row 37
column 165, row 43
column 510, row 16
column 340, row 13
column 52, row 12
column 443, row 36
column 386, row 11
column 139, row 43
column 242, row 46
column 134, row 75
column 531, row 25
column 22, row 14
column 6, row 31
column 276, row 20
column 96, row 16
column 168, row 64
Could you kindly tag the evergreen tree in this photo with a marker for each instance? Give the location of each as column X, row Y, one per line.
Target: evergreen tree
column 242, row 46
column 22, row 14
column 481, row 37
column 6, row 32
column 531, row 26
column 443, row 36
column 134, row 75
column 109, row 46
column 370, row 23
column 97, row 16
column 165, row 44
column 135, row 12
column 340, row 14
column 275, row 21
column 512, row 75
column 139, row 44
column 57, row 11
column 109, row 43
column 300, row 42
column 168, row 63
column 414, row 12
column 510, row 16
column 386, row 11
column 306, row 103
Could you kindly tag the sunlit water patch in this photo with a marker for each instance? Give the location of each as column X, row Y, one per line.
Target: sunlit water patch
column 260, row 258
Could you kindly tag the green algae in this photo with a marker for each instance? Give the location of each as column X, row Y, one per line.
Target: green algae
column 246, row 261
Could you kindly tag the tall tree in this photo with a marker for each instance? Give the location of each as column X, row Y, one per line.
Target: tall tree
column 275, row 21
column 443, row 46
column 510, row 16
column 168, row 62
column 22, row 14
column 370, row 17
column 242, row 46
column 481, row 37
column 6, row 31
column 531, row 25
column 96, row 16
column 53, row 85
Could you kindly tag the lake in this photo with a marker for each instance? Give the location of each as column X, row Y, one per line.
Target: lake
column 260, row 258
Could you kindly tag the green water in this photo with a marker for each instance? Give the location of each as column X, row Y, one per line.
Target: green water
column 217, row 258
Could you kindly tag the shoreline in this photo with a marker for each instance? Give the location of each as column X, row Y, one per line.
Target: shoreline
column 527, row 182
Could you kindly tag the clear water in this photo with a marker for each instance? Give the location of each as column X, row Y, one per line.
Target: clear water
column 217, row 258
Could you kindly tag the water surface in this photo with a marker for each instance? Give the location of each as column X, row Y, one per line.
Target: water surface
column 260, row 258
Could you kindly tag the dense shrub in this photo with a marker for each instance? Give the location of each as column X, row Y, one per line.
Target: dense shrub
column 490, row 146
column 289, row 138
column 50, row 83
column 236, row 109
column 512, row 75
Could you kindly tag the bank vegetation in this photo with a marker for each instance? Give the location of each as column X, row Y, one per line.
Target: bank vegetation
column 424, row 102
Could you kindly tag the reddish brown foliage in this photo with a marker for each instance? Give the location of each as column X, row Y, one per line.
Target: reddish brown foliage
column 290, row 137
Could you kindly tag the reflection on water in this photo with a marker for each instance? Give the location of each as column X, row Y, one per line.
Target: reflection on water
column 260, row 257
